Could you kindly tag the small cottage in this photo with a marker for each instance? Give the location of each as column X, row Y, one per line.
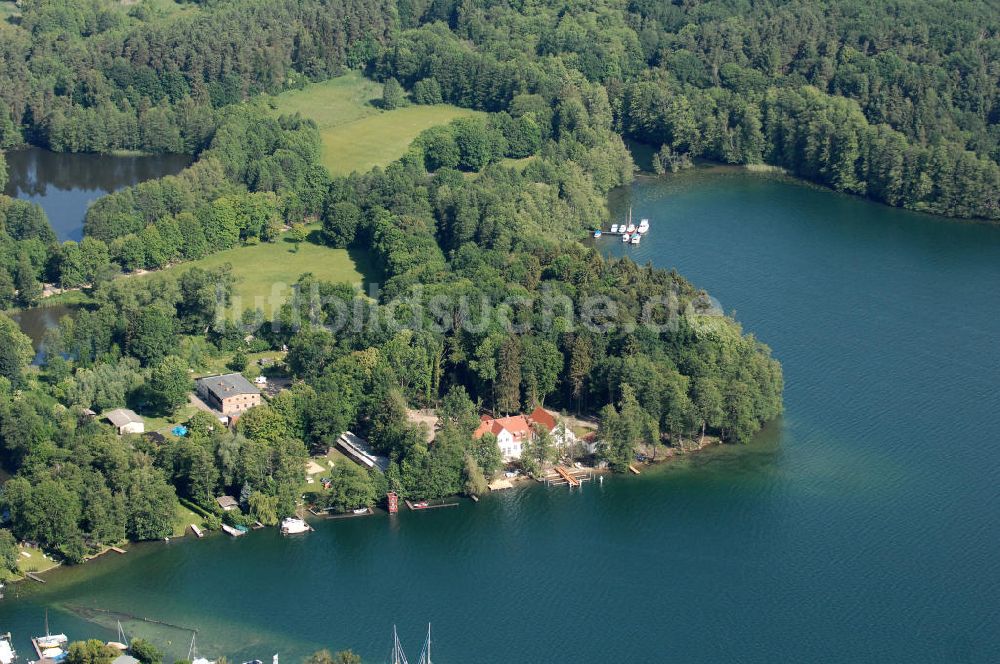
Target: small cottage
column 125, row 421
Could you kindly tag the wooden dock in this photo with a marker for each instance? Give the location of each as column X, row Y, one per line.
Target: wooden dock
column 117, row 549
column 572, row 481
column 34, row 577
column 571, row 477
column 349, row 515
column 197, row 531
column 413, row 507
column 633, row 469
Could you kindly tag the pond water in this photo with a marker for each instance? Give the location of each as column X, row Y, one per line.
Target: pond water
column 65, row 183
column 862, row 526
column 36, row 321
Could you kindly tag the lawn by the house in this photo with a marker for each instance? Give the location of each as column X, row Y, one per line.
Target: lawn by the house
column 356, row 134
column 35, row 561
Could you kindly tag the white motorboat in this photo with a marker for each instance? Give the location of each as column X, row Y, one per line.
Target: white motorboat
column 614, row 228
column 636, row 238
column 643, row 226
column 293, row 526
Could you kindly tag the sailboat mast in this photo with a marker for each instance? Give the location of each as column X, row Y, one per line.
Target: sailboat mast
column 428, row 644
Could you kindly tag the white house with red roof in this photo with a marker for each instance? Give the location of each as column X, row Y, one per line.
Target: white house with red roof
column 513, row 431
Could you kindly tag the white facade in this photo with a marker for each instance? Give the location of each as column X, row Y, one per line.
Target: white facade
column 510, row 447
column 132, row 427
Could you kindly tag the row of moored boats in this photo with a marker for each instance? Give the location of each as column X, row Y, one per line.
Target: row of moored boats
column 630, row 233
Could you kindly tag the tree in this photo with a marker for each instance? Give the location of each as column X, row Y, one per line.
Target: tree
column 151, row 334
column 16, row 351
column 297, row 235
column 440, row 148
column 427, row 91
column 29, row 291
column 145, row 652
column 342, row 657
column 151, row 505
column 8, row 555
column 475, row 482
column 170, row 384
column 487, row 454
column 340, row 223
column 393, row 95
column 350, row 487
column 239, row 361
column 263, row 424
column 509, row 375
column 478, row 143
column 90, row 652
column 263, row 508
column 621, row 431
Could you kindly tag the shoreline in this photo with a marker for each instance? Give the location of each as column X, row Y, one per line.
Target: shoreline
column 521, row 481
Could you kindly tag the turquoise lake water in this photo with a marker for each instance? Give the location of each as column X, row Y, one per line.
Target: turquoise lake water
column 862, row 526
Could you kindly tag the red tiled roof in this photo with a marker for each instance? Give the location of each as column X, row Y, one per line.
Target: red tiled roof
column 542, row 417
column 517, row 425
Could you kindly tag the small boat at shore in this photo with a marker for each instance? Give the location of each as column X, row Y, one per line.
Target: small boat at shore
column 614, row 228
column 361, row 510
column 643, row 226
column 626, row 237
column 422, row 505
column 597, row 233
column 294, row 526
column 233, row 530
column 635, row 238
column 7, row 653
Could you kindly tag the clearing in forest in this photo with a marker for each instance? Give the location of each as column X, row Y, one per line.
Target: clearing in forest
column 358, row 135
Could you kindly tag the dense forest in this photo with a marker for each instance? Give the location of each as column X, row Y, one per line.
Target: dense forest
column 898, row 102
column 443, row 239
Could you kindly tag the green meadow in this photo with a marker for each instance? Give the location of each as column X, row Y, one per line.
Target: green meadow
column 358, row 135
column 269, row 269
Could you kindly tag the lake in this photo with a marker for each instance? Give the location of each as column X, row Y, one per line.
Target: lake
column 862, row 526
column 65, row 184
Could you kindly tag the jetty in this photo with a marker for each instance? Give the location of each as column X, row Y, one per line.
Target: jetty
column 571, row 477
column 633, row 469
column 197, row 531
column 117, row 549
column 424, row 505
column 34, row 577
column 349, row 515
column 572, row 481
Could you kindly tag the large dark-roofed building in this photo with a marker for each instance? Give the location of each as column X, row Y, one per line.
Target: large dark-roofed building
column 230, row 394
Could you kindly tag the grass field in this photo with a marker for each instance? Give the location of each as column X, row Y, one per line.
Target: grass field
column 265, row 272
column 356, row 134
column 36, row 561
column 183, row 518
column 7, row 10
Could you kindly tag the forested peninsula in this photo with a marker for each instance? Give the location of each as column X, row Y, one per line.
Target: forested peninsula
column 483, row 209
